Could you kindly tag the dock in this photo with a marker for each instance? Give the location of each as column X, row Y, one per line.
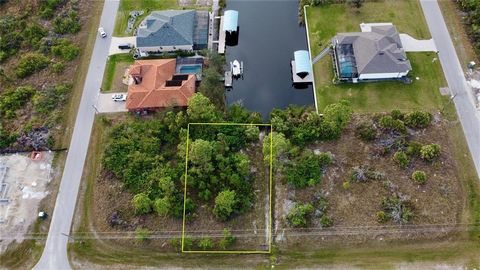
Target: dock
column 221, row 37
column 298, row 79
column 228, row 78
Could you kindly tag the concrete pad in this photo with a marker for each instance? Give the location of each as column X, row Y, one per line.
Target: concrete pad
column 121, row 40
column 415, row 45
column 367, row 27
column 105, row 104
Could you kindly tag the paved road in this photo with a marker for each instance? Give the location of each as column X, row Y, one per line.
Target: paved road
column 463, row 99
column 54, row 255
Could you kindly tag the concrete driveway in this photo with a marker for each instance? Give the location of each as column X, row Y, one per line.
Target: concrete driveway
column 105, row 104
column 416, row 45
column 121, row 40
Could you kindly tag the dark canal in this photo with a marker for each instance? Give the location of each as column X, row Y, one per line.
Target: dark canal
column 269, row 34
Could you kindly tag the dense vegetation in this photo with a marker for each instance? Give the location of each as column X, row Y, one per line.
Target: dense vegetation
column 472, row 20
column 148, row 156
column 35, row 43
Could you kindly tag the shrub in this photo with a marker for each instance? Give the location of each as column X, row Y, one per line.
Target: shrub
column 30, row 63
column 366, row 132
column 418, row 119
column 388, row 122
column 338, row 113
column 382, row 217
column 401, row 159
column 420, row 177
column 162, row 206
column 6, row 138
column 67, row 24
column 430, row 151
column 142, row 234
column 346, row 184
column 397, row 115
column 187, row 243
column 65, row 49
column 306, row 170
column 398, row 209
column 205, row 243
column 58, row 67
column 13, row 100
column 225, row 204
column 299, row 215
column 142, row 204
column 227, row 239
column 413, row 148
column 325, row 221
column 33, row 34
column 46, row 101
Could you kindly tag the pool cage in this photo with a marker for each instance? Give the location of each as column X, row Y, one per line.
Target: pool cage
column 345, row 63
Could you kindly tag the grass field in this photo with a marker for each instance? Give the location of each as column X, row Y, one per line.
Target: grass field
column 112, row 78
column 385, row 96
column 146, row 5
column 325, row 21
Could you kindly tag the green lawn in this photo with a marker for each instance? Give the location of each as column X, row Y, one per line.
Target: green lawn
column 114, row 70
column 385, row 96
column 147, row 6
column 326, row 20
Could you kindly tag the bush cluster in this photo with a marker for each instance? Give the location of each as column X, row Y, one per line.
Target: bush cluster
column 420, row 177
column 14, row 99
column 65, row 49
column 30, row 63
column 401, row 159
column 430, row 152
column 68, row 23
column 307, row 169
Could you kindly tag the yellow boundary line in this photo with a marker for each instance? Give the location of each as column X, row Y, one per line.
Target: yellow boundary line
column 269, row 196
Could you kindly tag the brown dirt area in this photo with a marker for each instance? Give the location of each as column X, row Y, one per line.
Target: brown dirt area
column 437, row 203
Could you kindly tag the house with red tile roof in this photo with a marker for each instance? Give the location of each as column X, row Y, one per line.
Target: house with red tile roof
column 153, row 85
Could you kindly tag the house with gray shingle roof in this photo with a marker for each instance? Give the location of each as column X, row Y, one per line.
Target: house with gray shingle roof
column 172, row 30
column 376, row 54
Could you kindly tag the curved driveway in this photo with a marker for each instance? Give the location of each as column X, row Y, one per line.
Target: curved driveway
column 54, row 255
column 461, row 92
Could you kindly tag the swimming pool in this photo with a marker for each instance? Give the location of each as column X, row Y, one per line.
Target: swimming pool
column 190, row 69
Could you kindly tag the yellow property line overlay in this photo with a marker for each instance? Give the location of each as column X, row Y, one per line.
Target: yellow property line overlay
column 269, row 196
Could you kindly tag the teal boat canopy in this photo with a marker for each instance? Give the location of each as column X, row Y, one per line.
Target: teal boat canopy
column 230, row 21
column 302, row 63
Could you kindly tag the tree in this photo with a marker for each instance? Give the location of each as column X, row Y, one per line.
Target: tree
column 338, row 113
column 201, row 152
column 205, row 243
column 299, row 215
column 201, row 109
column 142, row 204
column 162, row 206
column 430, row 151
column 252, row 133
column 225, row 204
column 420, row 177
column 279, row 146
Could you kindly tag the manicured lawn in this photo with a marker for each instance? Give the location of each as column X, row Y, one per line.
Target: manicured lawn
column 385, row 96
column 326, row 20
column 112, row 78
column 147, row 6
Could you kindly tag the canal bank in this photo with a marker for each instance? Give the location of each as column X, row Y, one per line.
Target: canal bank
column 269, row 34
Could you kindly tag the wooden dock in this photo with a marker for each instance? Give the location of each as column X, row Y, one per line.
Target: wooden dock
column 228, row 79
column 221, row 38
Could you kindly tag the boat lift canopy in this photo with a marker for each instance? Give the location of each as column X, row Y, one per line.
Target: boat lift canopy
column 302, row 63
column 230, row 21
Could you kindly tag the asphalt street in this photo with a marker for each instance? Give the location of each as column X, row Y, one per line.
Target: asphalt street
column 461, row 92
column 54, row 256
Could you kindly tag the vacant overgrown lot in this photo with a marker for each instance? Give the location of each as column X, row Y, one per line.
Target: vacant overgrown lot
column 324, row 21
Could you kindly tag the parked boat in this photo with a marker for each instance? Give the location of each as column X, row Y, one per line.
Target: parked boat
column 236, row 68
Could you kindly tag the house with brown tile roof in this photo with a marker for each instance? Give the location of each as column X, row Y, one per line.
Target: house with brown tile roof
column 153, row 84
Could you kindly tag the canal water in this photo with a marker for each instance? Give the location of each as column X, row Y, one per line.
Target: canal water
column 269, row 33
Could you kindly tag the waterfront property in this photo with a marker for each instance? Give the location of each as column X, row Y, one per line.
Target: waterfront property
column 154, row 84
column 374, row 54
column 173, row 30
